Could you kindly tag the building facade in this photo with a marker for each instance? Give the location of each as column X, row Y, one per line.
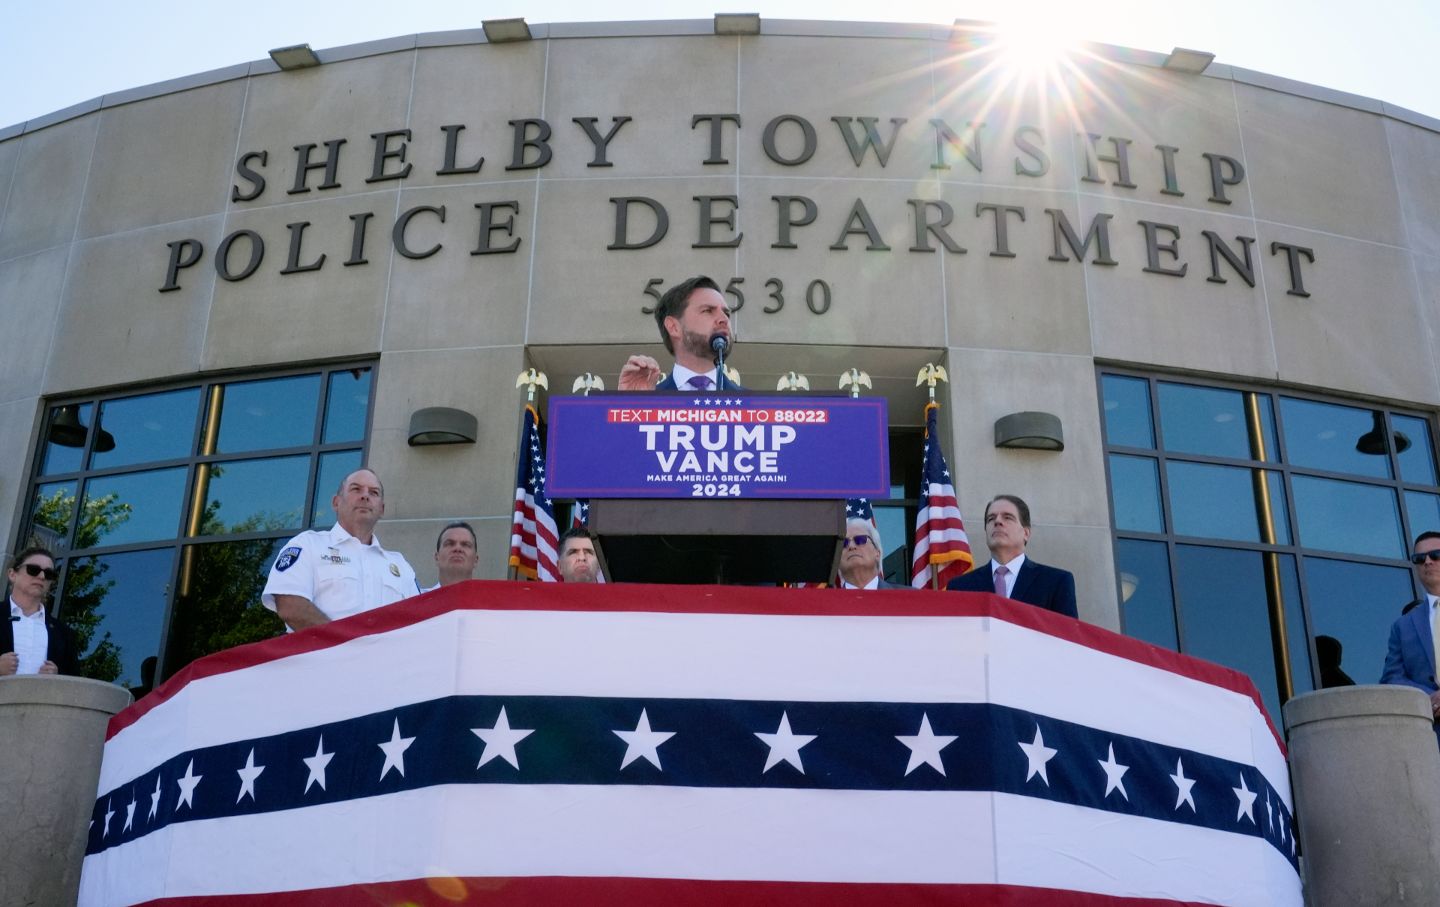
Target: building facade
column 226, row 291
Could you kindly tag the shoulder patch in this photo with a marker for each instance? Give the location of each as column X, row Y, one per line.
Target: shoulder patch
column 287, row 558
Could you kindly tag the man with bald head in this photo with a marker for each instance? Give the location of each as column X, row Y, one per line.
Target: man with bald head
column 324, row 575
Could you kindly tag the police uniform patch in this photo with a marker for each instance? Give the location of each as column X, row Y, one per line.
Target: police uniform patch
column 287, row 557
column 394, row 570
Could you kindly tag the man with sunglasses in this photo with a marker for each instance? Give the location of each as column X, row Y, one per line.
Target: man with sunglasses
column 32, row 641
column 860, row 558
column 1410, row 659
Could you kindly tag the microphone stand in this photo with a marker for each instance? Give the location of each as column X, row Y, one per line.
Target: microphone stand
column 719, row 344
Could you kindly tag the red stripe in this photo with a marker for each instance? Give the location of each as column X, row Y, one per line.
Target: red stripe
column 620, row 892
column 498, row 595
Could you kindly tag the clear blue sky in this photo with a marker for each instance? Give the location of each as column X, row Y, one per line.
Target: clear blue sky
column 54, row 53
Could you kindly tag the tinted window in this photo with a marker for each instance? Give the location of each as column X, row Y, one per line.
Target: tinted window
column 255, row 495
column 1127, row 411
column 147, row 429
column 1135, row 493
column 134, row 507
column 1348, row 517
column 264, row 415
column 115, row 604
column 347, row 405
column 1146, row 605
column 1325, row 436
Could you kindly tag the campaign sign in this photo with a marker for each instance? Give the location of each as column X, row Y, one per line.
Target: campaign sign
column 737, row 445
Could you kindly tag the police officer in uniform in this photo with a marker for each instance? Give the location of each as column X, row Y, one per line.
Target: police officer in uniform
column 324, row 575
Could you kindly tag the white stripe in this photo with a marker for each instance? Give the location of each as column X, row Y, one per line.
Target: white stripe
column 650, row 655
column 666, row 832
column 1056, row 845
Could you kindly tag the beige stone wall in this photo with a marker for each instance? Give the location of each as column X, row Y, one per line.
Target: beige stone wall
column 90, row 198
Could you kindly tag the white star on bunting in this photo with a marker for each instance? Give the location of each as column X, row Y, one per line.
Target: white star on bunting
column 154, row 800
column 925, row 746
column 317, row 764
column 784, row 745
column 500, row 740
column 187, row 784
column 1247, row 801
column 1183, row 786
column 248, row 774
column 108, row 813
column 1114, row 774
column 1036, row 755
column 643, row 742
column 129, row 814
column 395, row 749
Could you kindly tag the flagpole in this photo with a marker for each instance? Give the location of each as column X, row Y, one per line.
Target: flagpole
column 930, row 375
column 528, row 379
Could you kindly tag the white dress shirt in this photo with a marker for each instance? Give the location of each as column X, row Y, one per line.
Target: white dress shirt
column 682, row 376
column 339, row 574
column 873, row 584
column 1014, row 570
column 32, row 639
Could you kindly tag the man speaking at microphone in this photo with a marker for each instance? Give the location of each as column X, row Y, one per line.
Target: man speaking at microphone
column 695, row 328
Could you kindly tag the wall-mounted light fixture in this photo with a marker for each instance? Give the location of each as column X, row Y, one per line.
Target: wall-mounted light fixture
column 296, row 56
column 442, row 425
column 737, row 23
column 1029, row 431
column 1190, row 61
column 504, row 31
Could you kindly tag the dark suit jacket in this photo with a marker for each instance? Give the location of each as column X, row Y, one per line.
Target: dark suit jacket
column 61, row 649
column 1410, row 658
column 1036, row 584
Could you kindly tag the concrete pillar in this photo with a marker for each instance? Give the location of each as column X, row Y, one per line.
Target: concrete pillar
column 1366, row 773
column 52, row 730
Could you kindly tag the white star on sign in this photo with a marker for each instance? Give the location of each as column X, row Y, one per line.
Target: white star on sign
column 317, row 764
column 500, row 740
column 1037, row 754
column 108, row 813
column 1247, row 801
column 925, row 747
column 395, row 751
column 154, row 800
column 1114, row 773
column 1182, row 786
column 187, row 784
column 248, row 774
column 643, row 742
column 784, row 745
column 129, row 814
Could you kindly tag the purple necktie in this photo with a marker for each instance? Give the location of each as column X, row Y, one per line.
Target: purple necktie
column 700, row 382
column 1000, row 573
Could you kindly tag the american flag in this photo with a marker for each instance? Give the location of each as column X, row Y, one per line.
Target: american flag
column 580, row 515
column 942, row 550
column 551, row 744
column 860, row 509
column 532, row 527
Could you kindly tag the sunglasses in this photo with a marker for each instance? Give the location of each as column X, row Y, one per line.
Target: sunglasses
column 1420, row 558
column 857, row 541
column 36, row 570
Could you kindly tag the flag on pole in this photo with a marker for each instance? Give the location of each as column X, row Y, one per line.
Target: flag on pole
column 942, row 549
column 533, row 533
column 580, row 514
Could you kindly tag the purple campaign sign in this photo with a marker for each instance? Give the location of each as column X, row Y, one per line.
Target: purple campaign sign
column 718, row 446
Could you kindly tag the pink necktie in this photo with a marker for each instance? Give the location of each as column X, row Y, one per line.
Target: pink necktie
column 1000, row 573
column 700, row 382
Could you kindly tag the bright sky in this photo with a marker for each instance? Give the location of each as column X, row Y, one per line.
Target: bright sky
column 54, row 53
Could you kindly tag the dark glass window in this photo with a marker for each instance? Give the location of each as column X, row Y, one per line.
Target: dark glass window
column 147, row 429
column 1127, row 412
column 269, row 414
column 1303, row 564
column 166, row 552
column 1135, row 493
column 1328, row 437
column 1146, row 603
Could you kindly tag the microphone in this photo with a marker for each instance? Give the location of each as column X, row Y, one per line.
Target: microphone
column 719, row 344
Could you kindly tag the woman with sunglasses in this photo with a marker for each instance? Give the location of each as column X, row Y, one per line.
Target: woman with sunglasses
column 31, row 641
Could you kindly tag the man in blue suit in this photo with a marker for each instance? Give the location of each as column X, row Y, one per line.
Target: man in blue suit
column 1410, row 659
column 689, row 315
column 1010, row 573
